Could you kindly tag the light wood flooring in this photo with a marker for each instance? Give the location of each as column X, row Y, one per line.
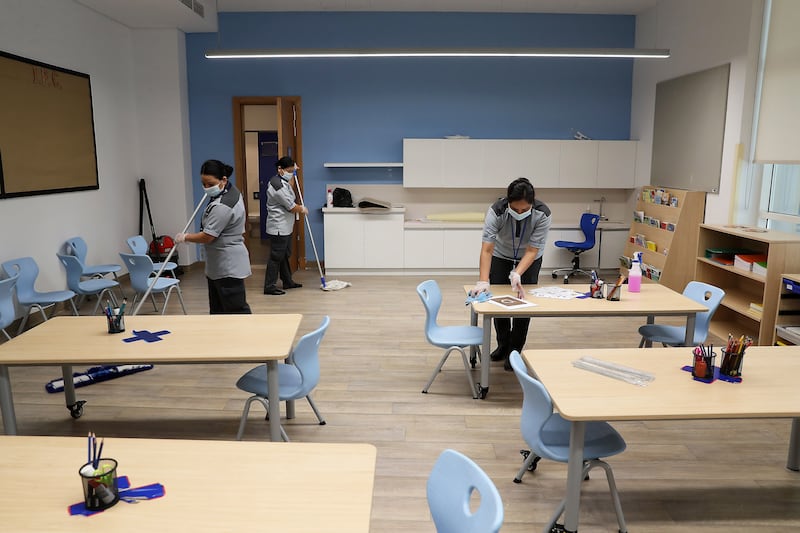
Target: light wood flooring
column 675, row 476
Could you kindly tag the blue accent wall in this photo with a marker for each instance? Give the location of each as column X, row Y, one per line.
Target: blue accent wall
column 361, row 109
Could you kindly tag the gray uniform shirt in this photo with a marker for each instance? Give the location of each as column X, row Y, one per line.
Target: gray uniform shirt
column 509, row 235
column 280, row 201
column 224, row 218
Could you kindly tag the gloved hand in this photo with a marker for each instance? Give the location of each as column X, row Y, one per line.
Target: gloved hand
column 304, row 210
column 516, row 284
column 180, row 237
column 481, row 286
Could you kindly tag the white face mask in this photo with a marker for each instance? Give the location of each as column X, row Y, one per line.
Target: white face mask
column 519, row 216
column 213, row 191
column 287, row 174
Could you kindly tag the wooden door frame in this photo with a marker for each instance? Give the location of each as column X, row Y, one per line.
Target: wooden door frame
column 240, row 163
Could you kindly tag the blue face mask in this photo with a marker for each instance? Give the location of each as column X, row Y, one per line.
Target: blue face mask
column 213, row 191
column 519, row 216
column 287, row 175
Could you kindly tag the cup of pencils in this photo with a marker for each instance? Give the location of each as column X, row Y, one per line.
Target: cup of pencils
column 703, row 363
column 99, row 478
column 733, row 356
column 615, row 290
column 116, row 318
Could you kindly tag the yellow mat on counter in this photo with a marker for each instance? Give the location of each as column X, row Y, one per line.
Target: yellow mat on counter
column 466, row 216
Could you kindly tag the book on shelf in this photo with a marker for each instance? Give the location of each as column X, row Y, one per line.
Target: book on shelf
column 760, row 268
column 757, row 307
column 745, row 261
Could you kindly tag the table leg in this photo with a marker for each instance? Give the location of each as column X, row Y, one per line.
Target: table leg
column 793, row 460
column 473, row 321
column 274, row 401
column 69, row 385
column 574, row 477
column 7, row 403
column 689, row 338
column 486, row 357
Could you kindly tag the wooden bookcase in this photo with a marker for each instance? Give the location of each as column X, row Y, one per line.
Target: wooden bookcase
column 742, row 288
column 674, row 249
column 788, row 310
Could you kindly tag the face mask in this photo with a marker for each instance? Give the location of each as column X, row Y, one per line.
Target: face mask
column 519, row 216
column 286, row 174
column 213, row 191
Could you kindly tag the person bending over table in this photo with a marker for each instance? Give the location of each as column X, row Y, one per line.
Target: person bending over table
column 514, row 234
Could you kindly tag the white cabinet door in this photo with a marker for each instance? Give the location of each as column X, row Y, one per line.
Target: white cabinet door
column 422, row 163
column 462, row 248
column 424, row 248
column 502, row 162
column 383, row 240
column 540, row 162
column 578, row 164
column 344, row 240
column 463, row 162
column 612, row 247
column 616, row 164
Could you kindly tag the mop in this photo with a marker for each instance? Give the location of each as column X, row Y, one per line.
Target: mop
column 334, row 284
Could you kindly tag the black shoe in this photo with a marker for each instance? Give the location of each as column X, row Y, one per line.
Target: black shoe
column 499, row 354
column 274, row 291
column 292, row 285
column 507, row 365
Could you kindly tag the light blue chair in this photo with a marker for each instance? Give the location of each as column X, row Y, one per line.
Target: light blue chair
column 140, row 268
column 451, row 338
column 700, row 292
column 77, row 247
column 547, row 433
column 589, row 223
column 27, row 295
column 138, row 246
column 7, row 310
column 297, row 378
column 91, row 287
column 451, row 484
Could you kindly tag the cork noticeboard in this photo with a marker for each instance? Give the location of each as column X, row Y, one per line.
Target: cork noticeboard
column 47, row 142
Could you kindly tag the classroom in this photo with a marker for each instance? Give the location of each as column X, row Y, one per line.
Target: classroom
column 681, row 181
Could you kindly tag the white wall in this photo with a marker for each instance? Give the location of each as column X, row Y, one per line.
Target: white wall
column 700, row 35
column 127, row 96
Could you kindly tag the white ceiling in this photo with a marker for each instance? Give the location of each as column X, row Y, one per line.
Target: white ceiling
column 163, row 14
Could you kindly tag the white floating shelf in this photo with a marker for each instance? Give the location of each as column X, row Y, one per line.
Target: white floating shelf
column 361, row 165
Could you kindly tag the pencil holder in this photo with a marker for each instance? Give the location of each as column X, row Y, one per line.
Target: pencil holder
column 100, row 490
column 703, row 367
column 731, row 364
column 116, row 323
column 614, row 293
column 598, row 289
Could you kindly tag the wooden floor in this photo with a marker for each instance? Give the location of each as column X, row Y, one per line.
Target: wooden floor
column 709, row 476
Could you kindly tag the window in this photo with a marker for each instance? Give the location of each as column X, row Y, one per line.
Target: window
column 780, row 197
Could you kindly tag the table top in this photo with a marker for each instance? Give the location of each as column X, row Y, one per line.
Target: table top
column 209, row 485
column 192, row 339
column 653, row 299
column 768, row 388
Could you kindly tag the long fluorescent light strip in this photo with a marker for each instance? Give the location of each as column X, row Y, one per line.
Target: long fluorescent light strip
column 616, row 53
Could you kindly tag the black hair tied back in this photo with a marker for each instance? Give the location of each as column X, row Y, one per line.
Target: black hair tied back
column 216, row 168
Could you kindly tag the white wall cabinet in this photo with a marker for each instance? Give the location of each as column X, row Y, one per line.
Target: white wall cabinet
column 361, row 240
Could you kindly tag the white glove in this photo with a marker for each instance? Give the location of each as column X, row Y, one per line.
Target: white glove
column 516, row 284
column 304, row 210
column 481, row 286
column 180, row 237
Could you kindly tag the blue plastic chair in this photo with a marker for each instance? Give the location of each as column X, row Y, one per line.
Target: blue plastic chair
column 7, row 310
column 77, row 247
column 297, row 378
column 27, row 295
column 140, row 268
column 138, row 246
column 452, row 338
column 700, row 292
column 450, row 488
column 90, row 287
column 547, row 433
column 589, row 223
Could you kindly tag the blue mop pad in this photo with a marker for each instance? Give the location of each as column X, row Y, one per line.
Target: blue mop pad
column 96, row 374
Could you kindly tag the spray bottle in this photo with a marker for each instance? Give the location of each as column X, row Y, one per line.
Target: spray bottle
column 635, row 273
column 329, row 202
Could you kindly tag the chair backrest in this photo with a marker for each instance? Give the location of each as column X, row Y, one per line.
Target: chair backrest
column 137, row 244
column 139, row 267
column 74, row 269
column 431, row 297
column 589, row 223
column 305, row 356
column 537, row 407
column 77, row 247
column 451, row 483
column 27, row 270
column 708, row 295
column 7, row 309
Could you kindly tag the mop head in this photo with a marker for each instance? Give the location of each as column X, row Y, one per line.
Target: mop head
column 334, row 285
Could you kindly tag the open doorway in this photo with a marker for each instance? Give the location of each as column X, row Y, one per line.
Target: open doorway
column 266, row 128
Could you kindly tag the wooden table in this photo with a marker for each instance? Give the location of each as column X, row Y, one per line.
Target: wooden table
column 210, row 486
column 768, row 390
column 653, row 300
column 84, row 340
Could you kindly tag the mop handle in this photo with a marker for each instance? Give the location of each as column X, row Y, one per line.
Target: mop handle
column 169, row 255
column 310, row 234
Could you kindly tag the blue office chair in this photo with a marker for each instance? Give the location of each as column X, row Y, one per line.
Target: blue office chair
column 7, row 310
column 452, row 338
column 138, row 246
column 547, row 433
column 589, row 223
column 450, row 488
column 297, row 378
column 700, row 292
column 27, row 295
column 90, row 287
column 140, row 268
column 77, row 247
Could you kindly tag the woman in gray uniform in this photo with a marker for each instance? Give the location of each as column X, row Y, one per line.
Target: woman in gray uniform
column 222, row 235
column 514, row 234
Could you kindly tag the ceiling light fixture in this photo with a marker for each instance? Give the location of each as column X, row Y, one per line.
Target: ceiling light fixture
column 611, row 53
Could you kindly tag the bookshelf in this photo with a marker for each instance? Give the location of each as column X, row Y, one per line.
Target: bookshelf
column 682, row 214
column 735, row 314
column 788, row 311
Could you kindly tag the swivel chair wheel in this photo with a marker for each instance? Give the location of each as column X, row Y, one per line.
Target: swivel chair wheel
column 555, row 275
column 76, row 409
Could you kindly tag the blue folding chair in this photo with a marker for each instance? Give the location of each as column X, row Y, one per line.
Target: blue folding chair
column 589, row 223
column 91, row 287
column 140, row 268
column 77, row 247
column 700, row 292
column 138, row 246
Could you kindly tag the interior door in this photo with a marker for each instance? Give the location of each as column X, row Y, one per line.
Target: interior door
column 289, row 145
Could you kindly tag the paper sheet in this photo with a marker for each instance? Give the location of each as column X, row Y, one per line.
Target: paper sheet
column 510, row 302
column 558, row 293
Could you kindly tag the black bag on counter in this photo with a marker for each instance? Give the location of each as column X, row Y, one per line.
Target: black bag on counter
column 342, row 198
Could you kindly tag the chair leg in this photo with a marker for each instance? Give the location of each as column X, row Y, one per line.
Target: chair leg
column 529, row 460
column 612, row 488
column 180, row 297
column 316, row 411
column 166, row 301
column 641, row 343
column 245, row 412
column 155, row 306
column 24, row 321
column 467, row 368
column 6, row 334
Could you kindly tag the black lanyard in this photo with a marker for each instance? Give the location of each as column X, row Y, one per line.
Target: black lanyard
column 514, row 247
